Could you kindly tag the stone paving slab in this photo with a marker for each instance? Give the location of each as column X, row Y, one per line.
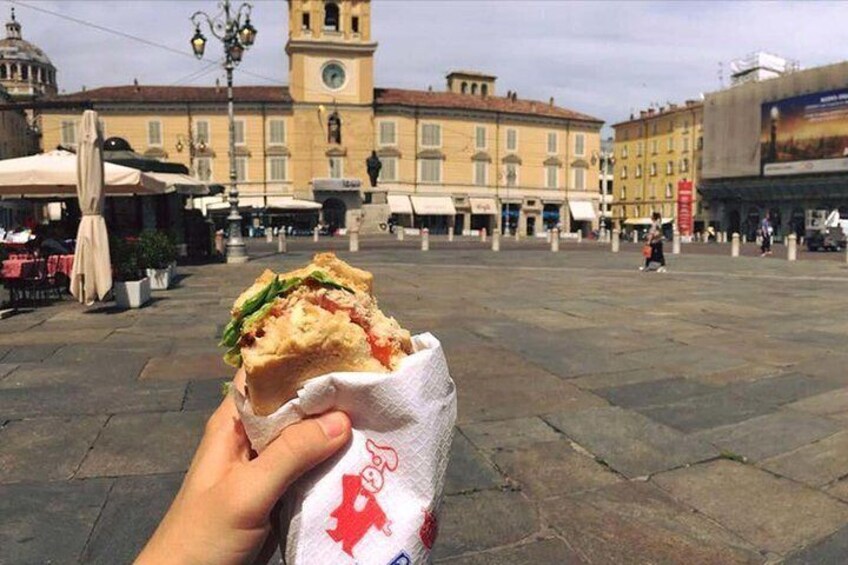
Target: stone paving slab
column 48, row 522
column 46, row 449
column 654, row 393
column 542, row 551
column 782, row 389
column 187, row 367
column 831, row 403
column 832, row 550
column 29, row 353
column 468, row 470
column 637, row 523
column 55, row 337
column 133, row 509
column 769, row 435
column 204, row 395
column 707, row 411
column 630, row 443
column 143, row 444
column 816, row 464
column 553, row 469
column 503, row 434
column 619, row 379
column 6, row 368
column 774, row 514
column 483, row 520
column 108, row 371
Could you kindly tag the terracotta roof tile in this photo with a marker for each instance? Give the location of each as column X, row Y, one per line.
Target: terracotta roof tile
column 132, row 93
column 453, row 100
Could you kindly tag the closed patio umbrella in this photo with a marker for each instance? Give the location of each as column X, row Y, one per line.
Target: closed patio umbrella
column 91, row 277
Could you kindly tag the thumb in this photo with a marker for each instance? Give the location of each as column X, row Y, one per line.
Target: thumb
column 299, row 448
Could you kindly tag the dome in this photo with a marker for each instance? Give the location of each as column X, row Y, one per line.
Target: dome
column 25, row 70
column 15, row 48
column 116, row 144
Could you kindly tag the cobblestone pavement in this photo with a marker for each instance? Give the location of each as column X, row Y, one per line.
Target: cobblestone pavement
column 605, row 415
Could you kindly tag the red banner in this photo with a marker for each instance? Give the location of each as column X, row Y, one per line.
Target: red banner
column 684, row 207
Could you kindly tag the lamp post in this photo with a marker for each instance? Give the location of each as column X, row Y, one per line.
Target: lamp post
column 606, row 158
column 195, row 145
column 233, row 29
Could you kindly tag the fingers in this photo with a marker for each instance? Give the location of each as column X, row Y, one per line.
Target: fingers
column 299, row 448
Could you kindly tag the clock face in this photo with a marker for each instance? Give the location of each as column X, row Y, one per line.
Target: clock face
column 333, row 76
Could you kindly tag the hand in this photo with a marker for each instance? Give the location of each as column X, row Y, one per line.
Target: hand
column 221, row 514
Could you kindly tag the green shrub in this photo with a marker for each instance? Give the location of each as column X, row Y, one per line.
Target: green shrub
column 157, row 251
column 125, row 259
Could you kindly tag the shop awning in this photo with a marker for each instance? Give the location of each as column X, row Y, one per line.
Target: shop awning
column 581, row 210
column 644, row 221
column 433, row 205
column 183, row 184
column 484, row 206
column 289, row 203
column 399, row 204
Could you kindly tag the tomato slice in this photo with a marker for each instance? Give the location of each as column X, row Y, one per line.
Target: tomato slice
column 381, row 352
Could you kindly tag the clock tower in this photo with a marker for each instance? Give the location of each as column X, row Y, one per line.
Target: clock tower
column 331, row 55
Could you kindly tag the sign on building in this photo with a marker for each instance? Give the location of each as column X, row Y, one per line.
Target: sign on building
column 684, row 207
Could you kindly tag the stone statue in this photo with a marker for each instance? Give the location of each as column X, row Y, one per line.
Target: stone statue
column 374, row 165
column 334, row 129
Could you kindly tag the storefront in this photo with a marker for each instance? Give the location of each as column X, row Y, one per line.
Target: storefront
column 436, row 213
column 400, row 209
column 484, row 212
column 582, row 216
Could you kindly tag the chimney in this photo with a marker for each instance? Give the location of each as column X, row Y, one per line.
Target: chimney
column 217, row 85
column 135, row 84
column 642, row 113
column 514, row 96
column 552, row 102
column 508, row 94
column 690, row 103
column 651, row 111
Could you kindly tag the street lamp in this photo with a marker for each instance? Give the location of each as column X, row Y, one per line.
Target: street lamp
column 234, row 30
column 606, row 158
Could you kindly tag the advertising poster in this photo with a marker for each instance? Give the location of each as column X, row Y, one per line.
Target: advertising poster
column 805, row 134
column 684, row 207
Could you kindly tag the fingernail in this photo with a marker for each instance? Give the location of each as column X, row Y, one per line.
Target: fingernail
column 333, row 424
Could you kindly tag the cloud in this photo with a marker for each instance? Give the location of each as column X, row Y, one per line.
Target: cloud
column 601, row 58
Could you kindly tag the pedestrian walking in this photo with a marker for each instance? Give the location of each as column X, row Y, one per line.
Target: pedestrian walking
column 766, row 232
column 654, row 245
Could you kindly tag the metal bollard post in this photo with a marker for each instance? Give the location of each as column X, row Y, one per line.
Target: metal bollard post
column 555, row 241
column 425, row 239
column 450, row 233
column 354, row 241
column 675, row 243
column 496, row 240
column 791, row 247
column 315, row 233
column 616, row 243
column 483, row 235
column 635, row 237
column 548, row 235
column 282, row 244
column 734, row 246
column 269, row 236
column 579, row 236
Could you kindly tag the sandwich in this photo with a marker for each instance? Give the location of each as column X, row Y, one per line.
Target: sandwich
column 288, row 328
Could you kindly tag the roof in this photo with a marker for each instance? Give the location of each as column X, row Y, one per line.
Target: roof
column 171, row 94
column 456, row 101
column 470, row 74
column 689, row 105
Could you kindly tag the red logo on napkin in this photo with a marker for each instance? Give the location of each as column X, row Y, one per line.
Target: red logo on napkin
column 429, row 530
column 359, row 510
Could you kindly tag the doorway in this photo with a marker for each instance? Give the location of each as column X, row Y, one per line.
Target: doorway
column 334, row 214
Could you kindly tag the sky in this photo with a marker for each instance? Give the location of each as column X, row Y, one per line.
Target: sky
column 602, row 58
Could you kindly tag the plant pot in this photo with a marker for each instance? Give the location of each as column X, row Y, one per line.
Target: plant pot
column 132, row 294
column 160, row 279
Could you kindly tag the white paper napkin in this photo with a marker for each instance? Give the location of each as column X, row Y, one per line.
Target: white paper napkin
column 376, row 501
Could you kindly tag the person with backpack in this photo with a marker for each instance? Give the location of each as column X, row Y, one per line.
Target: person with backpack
column 654, row 243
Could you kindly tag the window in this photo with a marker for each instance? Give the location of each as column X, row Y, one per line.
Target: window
column 654, row 128
column 431, row 135
column 636, row 210
column 624, row 152
column 700, row 142
column 69, row 132
column 464, row 88
column 239, row 131
column 512, row 140
column 431, row 170
column 552, row 142
column 624, row 193
column 304, row 21
column 201, row 131
column 669, row 190
column 388, row 134
column 277, row 168
column 700, row 162
column 638, row 171
column 669, row 168
column 203, row 168
column 241, row 169
column 480, row 170
column 654, row 147
column 684, row 165
column 671, row 144
column 579, row 144
column 511, row 173
column 480, row 137
column 276, row 132
column 154, row 133
column 484, row 90
column 579, row 179
column 624, row 172
column 354, row 24
column 388, row 172
column 685, row 125
column 551, row 176
column 653, row 169
column 336, row 167
column 686, row 145
column 626, row 135
column 331, row 17
column 639, row 149
column 25, row 72
column 473, row 88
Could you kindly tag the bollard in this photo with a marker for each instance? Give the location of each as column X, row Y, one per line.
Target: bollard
column 354, row 241
column 517, row 235
column 425, row 239
column 635, row 237
column 734, row 246
column 496, row 240
column 579, row 236
column 616, row 244
column 675, row 243
column 401, row 233
column 744, row 239
column 282, row 244
column 555, row 241
column 483, row 235
column 315, row 233
column 548, row 235
column 269, row 236
column 791, row 247
column 846, row 253
column 450, row 233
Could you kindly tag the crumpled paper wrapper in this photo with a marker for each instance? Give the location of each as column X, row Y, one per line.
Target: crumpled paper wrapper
column 376, row 501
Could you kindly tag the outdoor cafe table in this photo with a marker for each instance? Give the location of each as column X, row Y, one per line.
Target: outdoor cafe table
column 20, row 268
column 60, row 264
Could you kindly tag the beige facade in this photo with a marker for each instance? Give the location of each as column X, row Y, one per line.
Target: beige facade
column 313, row 138
column 654, row 152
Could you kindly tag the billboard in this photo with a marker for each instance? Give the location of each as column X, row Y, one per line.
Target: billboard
column 805, row 134
column 684, row 207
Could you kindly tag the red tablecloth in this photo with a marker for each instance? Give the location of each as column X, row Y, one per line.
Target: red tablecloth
column 20, row 268
column 60, row 264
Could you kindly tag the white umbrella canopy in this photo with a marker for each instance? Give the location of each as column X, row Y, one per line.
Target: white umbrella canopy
column 91, row 277
column 183, row 184
column 55, row 174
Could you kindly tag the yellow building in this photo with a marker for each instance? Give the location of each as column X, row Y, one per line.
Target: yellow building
column 654, row 152
column 464, row 157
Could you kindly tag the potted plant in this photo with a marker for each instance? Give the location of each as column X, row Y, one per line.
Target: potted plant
column 131, row 288
column 158, row 254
